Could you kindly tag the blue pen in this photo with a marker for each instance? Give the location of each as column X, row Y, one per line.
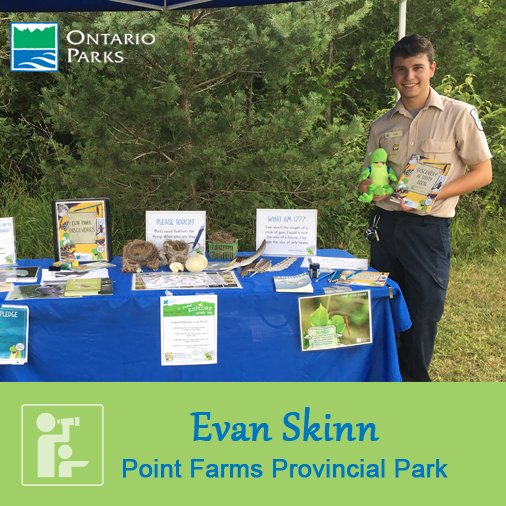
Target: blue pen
column 198, row 237
column 352, row 274
column 326, row 276
column 336, row 276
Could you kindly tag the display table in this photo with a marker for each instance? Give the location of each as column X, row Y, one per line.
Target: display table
column 117, row 337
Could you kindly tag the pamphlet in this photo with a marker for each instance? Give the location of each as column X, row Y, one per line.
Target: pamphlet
column 362, row 278
column 7, row 242
column 25, row 292
column 331, row 263
column 93, row 266
column 61, row 277
column 184, row 280
column 421, row 182
column 82, row 230
column 287, row 232
column 19, row 274
column 299, row 283
column 189, row 329
column 335, row 321
column 5, row 287
column 91, row 286
column 13, row 334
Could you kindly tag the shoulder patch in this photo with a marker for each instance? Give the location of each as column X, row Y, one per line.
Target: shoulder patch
column 474, row 114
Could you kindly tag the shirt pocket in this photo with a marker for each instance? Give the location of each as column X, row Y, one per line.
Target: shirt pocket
column 439, row 150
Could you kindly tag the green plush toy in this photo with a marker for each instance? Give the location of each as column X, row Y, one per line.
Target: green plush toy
column 380, row 174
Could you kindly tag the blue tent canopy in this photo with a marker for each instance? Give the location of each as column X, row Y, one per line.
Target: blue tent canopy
column 120, row 5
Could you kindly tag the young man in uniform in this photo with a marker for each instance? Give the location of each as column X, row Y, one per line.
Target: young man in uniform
column 415, row 246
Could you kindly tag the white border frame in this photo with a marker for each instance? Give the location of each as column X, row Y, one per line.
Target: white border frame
column 62, row 484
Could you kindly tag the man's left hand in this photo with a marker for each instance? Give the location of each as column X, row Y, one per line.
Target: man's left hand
column 405, row 208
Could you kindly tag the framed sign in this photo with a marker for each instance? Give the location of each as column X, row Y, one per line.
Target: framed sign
column 177, row 226
column 7, row 242
column 82, row 230
column 290, row 232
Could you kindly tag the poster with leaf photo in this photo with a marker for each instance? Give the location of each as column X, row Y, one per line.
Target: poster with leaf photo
column 82, row 230
column 335, row 321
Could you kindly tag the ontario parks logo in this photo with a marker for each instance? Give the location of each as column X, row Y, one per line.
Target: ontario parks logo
column 62, row 445
column 34, row 47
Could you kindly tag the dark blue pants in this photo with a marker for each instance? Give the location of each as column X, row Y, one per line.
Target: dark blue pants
column 416, row 251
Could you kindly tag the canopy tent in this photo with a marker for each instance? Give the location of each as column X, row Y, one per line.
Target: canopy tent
column 135, row 5
column 120, row 5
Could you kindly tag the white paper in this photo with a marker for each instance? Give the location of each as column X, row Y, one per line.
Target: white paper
column 21, row 280
column 7, row 242
column 51, row 278
column 19, row 274
column 287, row 232
column 189, row 329
column 176, row 225
column 337, row 263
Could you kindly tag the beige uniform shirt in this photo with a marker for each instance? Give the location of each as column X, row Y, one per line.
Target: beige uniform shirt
column 445, row 129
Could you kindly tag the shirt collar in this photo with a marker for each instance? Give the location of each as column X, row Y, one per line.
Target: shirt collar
column 433, row 100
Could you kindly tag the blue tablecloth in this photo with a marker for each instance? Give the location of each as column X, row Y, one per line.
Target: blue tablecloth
column 117, row 338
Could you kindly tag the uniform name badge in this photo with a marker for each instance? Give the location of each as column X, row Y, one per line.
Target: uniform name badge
column 391, row 135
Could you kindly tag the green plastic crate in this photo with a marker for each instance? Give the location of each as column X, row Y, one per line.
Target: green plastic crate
column 223, row 251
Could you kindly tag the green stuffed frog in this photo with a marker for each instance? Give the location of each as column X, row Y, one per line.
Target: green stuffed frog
column 15, row 354
column 380, row 173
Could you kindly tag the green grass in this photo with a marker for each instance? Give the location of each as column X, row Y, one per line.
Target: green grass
column 471, row 340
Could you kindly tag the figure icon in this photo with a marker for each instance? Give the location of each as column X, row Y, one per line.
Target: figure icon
column 66, row 466
column 46, row 422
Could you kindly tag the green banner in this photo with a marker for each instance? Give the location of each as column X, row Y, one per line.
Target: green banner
column 191, row 309
column 228, row 443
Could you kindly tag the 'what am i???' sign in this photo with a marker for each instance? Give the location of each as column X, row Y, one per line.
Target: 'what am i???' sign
column 34, row 47
column 287, row 231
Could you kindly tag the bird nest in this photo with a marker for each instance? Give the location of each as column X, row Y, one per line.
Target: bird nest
column 174, row 251
column 137, row 254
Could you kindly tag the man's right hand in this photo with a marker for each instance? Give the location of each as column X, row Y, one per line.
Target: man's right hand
column 364, row 186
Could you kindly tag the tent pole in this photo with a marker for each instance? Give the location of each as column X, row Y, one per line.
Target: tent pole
column 402, row 27
column 402, row 18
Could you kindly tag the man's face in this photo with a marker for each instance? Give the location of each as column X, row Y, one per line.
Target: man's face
column 412, row 78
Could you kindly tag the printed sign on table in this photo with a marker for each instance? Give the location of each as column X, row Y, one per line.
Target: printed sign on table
column 189, row 329
column 287, row 231
column 7, row 242
column 82, row 230
column 176, row 225
column 13, row 334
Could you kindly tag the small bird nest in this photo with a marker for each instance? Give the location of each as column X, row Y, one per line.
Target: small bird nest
column 137, row 254
column 174, row 251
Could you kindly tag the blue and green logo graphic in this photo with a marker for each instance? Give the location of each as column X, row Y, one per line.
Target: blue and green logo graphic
column 62, row 445
column 34, row 47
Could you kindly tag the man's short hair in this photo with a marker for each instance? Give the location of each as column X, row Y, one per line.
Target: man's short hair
column 412, row 45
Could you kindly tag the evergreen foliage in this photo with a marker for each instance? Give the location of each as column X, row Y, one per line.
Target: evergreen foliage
column 236, row 109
